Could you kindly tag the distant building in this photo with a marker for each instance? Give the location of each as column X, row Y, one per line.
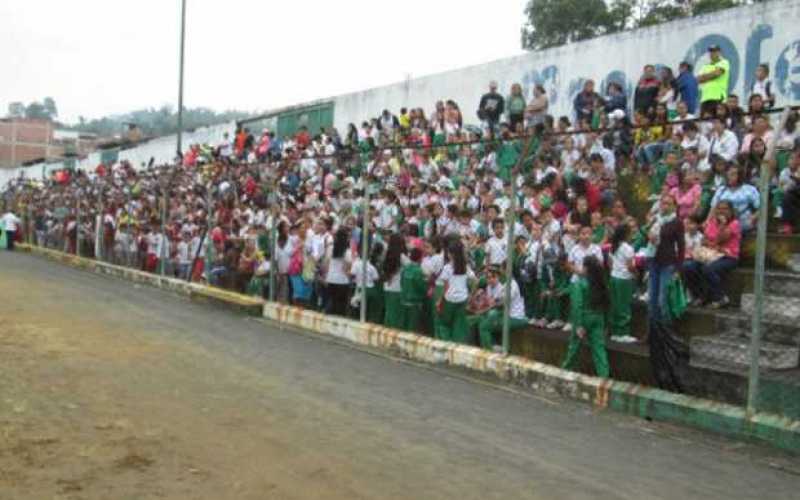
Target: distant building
column 26, row 140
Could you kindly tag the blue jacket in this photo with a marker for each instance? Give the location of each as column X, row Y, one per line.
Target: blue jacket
column 688, row 90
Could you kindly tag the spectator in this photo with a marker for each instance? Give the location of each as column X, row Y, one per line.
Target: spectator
column 616, row 100
column 584, row 102
column 744, row 198
column 789, row 190
column 10, row 224
column 536, row 111
column 646, row 94
column 723, row 142
column 622, row 284
column 713, row 80
column 687, row 87
column 516, row 109
column 589, row 304
column 491, row 108
column 763, row 85
column 666, row 252
column 716, row 258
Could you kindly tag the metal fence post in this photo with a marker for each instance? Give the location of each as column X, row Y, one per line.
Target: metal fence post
column 78, row 226
column 208, row 242
column 512, row 221
column 364, row 251
column 273, row 231
column 760, row 268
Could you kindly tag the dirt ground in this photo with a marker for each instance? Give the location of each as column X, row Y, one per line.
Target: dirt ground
column 94, row 407
column 113, row 391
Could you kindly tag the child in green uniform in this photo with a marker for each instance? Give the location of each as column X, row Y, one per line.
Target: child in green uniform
column 452, row 307
column 394, row 316
column 554, row 285
column 414, row 288
column 492, row 322
column 589, row 304
column 622, row 284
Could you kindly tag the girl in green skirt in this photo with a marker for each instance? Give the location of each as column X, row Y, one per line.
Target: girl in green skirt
column 589, row 305
column 394, row 316
column 622, row 285
column 452, row 307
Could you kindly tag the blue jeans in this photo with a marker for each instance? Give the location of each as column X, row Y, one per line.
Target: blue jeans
column 658, row 281
column 650, row 153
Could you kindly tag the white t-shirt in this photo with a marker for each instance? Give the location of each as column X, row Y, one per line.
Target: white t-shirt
column 498, row 295
column 457, row 288
column 356, row 272
column 620, row 260
column 432, row 266
column 393, row 284
column 183, row 253
column 578, row 253
column 496, row 248
column 338, row 269
column 11, row 221
column 284, row 254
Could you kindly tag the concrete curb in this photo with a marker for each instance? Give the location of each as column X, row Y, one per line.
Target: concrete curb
column 636, row 400
column 632, row 399
column 251, row 306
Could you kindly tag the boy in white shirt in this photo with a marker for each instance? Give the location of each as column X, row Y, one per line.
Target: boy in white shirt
column 497, row 246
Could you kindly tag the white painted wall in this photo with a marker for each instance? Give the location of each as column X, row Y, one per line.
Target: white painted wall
column 667, row 44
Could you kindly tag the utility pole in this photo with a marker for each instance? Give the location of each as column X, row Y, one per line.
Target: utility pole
column 180, row 79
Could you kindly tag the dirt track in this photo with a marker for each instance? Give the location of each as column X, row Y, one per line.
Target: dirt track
column 110, row 391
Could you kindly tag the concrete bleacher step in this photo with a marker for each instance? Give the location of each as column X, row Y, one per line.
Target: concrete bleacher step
column 733, row 351
column 777, row 308
column 735, row 323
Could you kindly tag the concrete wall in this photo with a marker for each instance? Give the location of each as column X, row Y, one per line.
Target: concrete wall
column 748, row 36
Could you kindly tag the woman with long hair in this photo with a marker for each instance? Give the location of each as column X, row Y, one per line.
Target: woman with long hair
column 666, row 250
column 337, row 275
column 589, row 303
column 284, row 248
column 392, row 292
column 432, row 265
column 622, row 284
column 452, row 307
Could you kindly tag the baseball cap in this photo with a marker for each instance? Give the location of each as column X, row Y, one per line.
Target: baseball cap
column 714, row 47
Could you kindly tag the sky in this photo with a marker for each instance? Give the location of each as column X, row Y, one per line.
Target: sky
column 100, row 57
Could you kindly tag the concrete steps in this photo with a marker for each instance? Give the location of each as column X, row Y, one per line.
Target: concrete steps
column 736, row 323
column 783, row 309
column 732, row 352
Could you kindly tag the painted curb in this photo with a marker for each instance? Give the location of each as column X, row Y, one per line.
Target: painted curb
column 636, row 400
column 623, row 397
column 251, row 306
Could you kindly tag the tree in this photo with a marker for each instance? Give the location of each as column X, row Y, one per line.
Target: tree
column 557, row 22
column 16, row 109
column 36, row 110
column 50, row 106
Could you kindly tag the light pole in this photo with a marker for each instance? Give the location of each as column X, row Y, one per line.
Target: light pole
column 180, row 78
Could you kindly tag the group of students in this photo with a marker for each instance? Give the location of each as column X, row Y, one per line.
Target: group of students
column 285, row 216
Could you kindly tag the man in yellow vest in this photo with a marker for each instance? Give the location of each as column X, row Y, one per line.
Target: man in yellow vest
column 713, row 80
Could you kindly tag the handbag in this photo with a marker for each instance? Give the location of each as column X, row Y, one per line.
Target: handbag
column 706, row 255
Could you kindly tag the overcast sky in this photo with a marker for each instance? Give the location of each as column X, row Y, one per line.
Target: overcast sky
column 98, row 57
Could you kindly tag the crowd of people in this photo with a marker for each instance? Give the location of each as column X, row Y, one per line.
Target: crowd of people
column 440, row 211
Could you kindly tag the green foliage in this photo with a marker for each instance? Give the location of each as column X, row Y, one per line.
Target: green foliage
column 549, row 23
column 36, row 110
column 156, row 122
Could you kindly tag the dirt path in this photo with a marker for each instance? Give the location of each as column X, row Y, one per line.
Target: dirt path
column 108, row 391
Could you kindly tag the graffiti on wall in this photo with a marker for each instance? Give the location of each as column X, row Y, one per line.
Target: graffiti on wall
column 786, row 69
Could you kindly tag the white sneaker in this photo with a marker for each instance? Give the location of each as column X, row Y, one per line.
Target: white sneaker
column 542, row 323
column 555, row 325
column 778, row 212
column 534, row 322
column 567, row 327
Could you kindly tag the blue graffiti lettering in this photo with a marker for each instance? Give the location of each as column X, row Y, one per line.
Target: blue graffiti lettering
column 547, row 78
column 787, row 71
